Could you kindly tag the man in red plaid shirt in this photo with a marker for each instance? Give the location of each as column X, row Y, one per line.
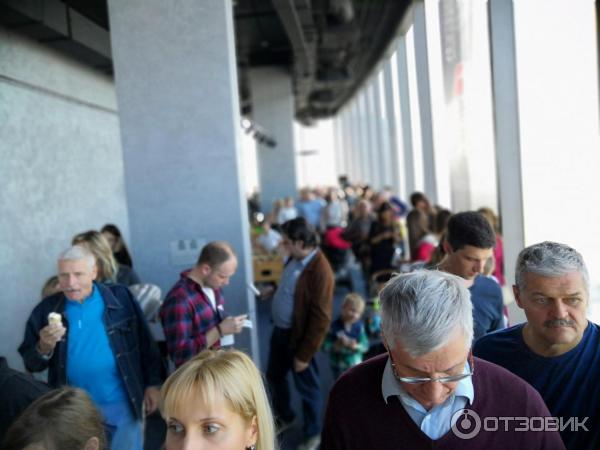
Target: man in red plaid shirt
column 192, row 314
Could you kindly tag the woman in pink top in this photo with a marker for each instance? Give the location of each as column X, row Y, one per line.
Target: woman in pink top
column 498, row 249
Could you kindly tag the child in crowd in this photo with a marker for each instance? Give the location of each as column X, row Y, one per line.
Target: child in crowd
column 347, row 339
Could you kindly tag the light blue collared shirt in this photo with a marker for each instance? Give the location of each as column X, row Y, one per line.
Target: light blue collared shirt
column 282, row 307
column 438, row 420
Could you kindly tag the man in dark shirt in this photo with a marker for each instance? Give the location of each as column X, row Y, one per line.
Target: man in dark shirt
column 557, row 350
column 469, row 243
column 17, row 390
column 428, row 391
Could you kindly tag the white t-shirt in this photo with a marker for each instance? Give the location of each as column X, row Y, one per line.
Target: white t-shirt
column 269, row 240
column 211, row 296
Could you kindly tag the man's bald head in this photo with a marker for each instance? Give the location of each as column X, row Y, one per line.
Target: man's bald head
column 215, row 253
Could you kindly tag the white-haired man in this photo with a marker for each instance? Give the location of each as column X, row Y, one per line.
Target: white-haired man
column 428, row 391
column 557, row 350
column 100, row 343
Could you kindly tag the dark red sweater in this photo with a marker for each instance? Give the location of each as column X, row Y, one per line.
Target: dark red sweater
column 357, row 417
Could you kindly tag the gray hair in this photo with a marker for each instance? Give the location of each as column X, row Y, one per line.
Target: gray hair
column 422, row 310
column 77, row 253
column 549, row 259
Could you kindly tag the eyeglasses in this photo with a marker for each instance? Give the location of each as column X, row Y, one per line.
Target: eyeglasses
column 443, row 380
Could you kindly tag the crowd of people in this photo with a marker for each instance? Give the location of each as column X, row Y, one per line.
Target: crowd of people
column 443, row 367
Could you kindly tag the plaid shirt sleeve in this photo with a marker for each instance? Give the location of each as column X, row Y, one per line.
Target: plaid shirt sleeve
column 186, row 319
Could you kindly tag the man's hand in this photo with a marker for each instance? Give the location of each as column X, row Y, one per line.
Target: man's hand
column 49, row 336
column 233, row 324
column 299, row 366
column 151, row 399
column 266, row 292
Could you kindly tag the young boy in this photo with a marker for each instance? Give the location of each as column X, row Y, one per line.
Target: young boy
column 347, row 340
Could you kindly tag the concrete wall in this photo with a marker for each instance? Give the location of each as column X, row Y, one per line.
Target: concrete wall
column 61, row 170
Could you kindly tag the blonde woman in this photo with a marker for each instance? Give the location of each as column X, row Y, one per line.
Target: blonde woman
column 109, row 271
column 217, row 400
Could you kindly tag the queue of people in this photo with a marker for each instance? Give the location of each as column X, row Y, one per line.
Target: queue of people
column 447, row 369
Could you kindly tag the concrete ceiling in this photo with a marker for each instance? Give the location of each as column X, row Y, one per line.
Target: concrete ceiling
column 329, row 46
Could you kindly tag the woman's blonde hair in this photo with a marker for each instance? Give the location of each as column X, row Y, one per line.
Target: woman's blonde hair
column 98, row 245
column 51, row 286
column 229, row 373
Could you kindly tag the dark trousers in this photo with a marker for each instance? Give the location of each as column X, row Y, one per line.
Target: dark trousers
column 307, row 383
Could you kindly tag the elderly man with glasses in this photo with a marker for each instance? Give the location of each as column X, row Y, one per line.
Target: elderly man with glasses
column 428, row 391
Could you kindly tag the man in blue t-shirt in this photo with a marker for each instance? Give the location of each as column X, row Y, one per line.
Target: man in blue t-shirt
column 469, row 242
column 557, row 350
column 95, row 337
column 310, row 207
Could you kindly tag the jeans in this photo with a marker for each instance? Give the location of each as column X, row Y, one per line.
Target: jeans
column 123, row 430
column 307, row 383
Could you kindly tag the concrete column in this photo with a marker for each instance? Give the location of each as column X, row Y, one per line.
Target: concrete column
column 382, row 131
column 348, row 141
column 179, row 116
column 342, row 145
column 357, row 142
column 359, row 166
column 364, row 146
column 373, row 130
column 273, row 110
column 355, row 137
column 336, row 144
column 374, row 135
column 343, row 149
column 410, row 183
column 506, row 117
column 425, row 106
column 394, row 131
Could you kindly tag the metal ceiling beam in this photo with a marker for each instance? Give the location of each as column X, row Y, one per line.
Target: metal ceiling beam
column 294, row 18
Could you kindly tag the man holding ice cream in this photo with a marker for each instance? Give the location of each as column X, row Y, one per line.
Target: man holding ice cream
column 95, row 337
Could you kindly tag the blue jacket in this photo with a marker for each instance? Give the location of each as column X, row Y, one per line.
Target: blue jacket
column 137, row 355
